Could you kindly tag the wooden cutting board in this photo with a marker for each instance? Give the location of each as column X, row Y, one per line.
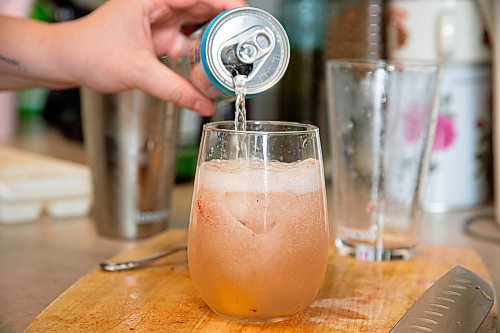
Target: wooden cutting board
column 355, row 297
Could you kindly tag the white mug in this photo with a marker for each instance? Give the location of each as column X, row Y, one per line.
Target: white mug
column 436, row 30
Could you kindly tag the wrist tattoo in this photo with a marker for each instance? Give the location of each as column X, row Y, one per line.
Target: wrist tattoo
column 10, row 61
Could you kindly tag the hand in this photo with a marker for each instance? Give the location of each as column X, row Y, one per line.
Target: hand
column 117, row 46
column 114, row 48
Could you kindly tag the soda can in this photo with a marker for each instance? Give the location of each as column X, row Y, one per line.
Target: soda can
column 244, row 40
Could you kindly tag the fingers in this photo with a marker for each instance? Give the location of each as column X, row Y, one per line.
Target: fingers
column 188, row 11
column 228, row 4
column 205, row 10
column 173, row 44
column 224, row 4
column 217, row 5
column 166, row 36
column 158, row 80
column 166, row 17
column 170, row 42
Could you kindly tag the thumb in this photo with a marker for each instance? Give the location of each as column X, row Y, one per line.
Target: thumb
column 162, row 82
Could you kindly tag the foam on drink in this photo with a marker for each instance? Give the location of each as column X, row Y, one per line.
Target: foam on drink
column 257, row 176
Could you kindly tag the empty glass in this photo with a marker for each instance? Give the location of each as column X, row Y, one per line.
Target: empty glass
column 382, row 118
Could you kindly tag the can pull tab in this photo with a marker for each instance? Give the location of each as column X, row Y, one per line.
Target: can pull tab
column 246, row 52
column 259, row 44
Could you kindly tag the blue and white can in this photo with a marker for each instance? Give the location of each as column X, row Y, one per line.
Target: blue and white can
column 244, row 40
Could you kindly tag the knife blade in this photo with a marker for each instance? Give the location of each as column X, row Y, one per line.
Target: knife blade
column 457, row 302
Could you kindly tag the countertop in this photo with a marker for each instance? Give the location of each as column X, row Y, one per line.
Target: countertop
column 40, row 260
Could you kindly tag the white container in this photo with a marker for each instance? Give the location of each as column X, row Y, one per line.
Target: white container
column 436, row 30
column 461, row 156
column 32, row 185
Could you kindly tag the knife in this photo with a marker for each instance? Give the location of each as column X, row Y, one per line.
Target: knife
column 457, row 302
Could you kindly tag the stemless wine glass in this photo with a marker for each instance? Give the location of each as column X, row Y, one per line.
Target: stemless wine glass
column 258, row 233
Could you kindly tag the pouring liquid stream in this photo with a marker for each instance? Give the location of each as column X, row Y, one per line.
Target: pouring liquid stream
column 240, row 114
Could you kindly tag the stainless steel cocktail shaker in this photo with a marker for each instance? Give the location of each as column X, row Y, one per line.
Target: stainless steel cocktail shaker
column 130, row 138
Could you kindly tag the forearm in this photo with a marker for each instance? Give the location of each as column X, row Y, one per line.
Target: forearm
column 31, row 54
column 114, row 48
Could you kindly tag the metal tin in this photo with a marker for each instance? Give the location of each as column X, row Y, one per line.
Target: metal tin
column 244, row 40
column 459, row 172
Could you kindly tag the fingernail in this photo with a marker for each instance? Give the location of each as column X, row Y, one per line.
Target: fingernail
column 204, row 108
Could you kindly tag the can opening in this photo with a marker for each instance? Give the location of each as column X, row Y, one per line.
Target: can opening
column 232, row 63
column 244, row 41
column 248, row 50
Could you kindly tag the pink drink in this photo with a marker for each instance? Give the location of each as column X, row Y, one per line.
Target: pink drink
column 258, row 238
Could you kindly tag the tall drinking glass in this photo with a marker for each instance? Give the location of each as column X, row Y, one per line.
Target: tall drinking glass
column 258, row 234
column 382, row 120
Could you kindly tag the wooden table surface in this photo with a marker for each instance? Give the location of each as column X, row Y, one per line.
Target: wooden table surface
column 356, row 296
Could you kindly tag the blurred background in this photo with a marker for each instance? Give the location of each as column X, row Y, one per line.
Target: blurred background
column 452, row 32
